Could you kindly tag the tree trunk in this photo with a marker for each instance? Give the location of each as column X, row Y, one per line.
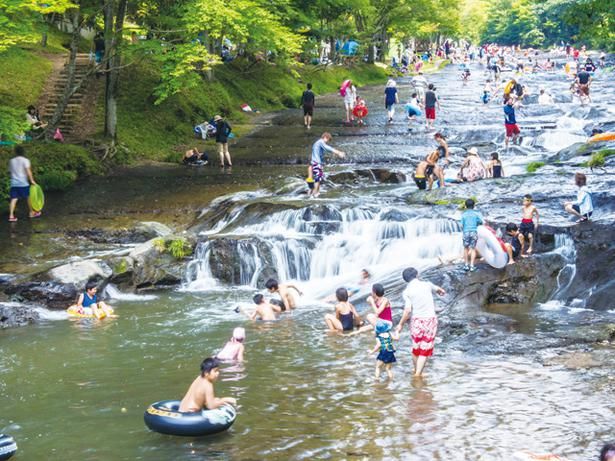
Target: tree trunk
column 332, row 50
column 113, row 37
column 70, row 87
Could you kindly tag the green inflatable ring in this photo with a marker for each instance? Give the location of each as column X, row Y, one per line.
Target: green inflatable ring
column 37, row 198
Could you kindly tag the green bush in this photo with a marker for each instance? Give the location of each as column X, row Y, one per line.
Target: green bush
column 532, row 167
column 177, row 247
column 598, row 158
column 55, row 166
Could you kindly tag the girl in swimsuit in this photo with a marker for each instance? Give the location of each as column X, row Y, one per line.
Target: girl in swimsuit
column 381, row 307
column 346, row 316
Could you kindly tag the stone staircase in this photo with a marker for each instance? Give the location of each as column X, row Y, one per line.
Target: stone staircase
column 73, row 110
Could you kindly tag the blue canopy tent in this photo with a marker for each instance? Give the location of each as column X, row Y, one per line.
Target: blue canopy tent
column 349, row 48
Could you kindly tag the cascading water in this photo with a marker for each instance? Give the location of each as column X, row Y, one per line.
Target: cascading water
column 327, row 246
column 564, row 245
column 198, row 274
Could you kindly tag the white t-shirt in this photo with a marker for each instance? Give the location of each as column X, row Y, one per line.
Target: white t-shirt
column 17, row 168
column 418, row 295
column 545, row 99
column 351, row 95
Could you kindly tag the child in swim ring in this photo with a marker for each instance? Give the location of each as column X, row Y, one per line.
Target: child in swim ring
column 88, row 303
column 360, row 110
column 234, row 348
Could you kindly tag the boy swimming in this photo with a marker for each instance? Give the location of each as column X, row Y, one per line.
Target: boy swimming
column 200, row 395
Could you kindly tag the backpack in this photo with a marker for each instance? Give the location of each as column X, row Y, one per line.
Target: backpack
column 343, row 91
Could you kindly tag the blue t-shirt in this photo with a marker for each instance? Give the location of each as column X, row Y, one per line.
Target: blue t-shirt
column 318, row 151
column 509, row 115
column 389, row 98
column 470, row 220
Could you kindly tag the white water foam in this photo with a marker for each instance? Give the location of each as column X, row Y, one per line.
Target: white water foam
column 114, row 293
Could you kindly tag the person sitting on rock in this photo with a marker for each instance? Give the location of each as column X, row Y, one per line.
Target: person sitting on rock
column 582, row 207
column 514, row 243
column 34, row 119
column 89, row 304
column 194, row 157
column 473, row 167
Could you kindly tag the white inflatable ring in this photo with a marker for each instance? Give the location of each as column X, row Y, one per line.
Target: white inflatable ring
column 490, row 248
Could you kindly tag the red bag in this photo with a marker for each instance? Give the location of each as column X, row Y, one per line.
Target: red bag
column 58, row 135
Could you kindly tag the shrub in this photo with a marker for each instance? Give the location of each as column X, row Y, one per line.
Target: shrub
column 533, row 166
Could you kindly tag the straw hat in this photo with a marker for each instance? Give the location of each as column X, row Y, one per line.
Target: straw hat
column 472, row 151
column 217, row 117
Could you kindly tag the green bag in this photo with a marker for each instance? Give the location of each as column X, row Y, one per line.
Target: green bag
column 37, row 198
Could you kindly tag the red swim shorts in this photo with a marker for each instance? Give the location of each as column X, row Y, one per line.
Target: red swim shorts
column 511, row 129
column 430, row 113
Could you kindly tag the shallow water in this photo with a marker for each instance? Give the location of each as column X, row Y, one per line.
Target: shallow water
column 304, row 394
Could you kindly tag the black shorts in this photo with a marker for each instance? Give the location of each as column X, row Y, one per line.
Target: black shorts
column 308, row 110
column 421, row 183
column 429, row 170
column 526, row 228
column 578, row 210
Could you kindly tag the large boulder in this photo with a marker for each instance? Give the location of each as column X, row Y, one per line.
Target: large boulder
column 150, row 267
column 80, row 272
column 17, row 315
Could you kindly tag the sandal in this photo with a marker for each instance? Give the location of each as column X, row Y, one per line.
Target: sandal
column 13, row 219
column 36, row 214
column 583, row 219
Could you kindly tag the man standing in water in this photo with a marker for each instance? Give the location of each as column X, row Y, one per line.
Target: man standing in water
column 308, row 102
column 419, row 302
column 316, row 172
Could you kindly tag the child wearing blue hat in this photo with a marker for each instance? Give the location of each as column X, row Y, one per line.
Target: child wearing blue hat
column 386, row 356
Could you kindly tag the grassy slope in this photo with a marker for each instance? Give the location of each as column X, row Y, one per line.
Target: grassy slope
column 150, row 131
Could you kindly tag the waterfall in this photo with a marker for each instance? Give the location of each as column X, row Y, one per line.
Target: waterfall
column 325, row 246
column 198, row 275
column 249, row 263
column 564, row 245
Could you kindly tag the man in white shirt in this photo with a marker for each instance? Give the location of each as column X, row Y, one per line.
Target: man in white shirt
column 21, row 178
column 418, row 299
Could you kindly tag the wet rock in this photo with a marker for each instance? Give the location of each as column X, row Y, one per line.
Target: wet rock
column 80, row 272
column 595, row 265
column 388, row 176
column 151, row 229
column 395, row 215
column 54, row 295
column 153, row 268
column 526, row 282
column 321, row 213
column 575, row 360
column 17, row 315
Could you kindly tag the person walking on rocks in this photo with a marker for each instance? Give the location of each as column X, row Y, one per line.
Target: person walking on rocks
column 350, row 98
column 20, row 170
column 418, row 298
column 316, row 172
column 223, row 130
column 391, row 97
column 431, row 101
column 308, row 100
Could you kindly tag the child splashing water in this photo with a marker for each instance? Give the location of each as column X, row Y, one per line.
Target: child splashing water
column 234, row 348
column 384, row 344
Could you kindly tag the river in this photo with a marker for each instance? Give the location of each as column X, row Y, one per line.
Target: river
column 76, row 390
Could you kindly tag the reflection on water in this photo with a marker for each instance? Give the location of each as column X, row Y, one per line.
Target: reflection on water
column 302, row 394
